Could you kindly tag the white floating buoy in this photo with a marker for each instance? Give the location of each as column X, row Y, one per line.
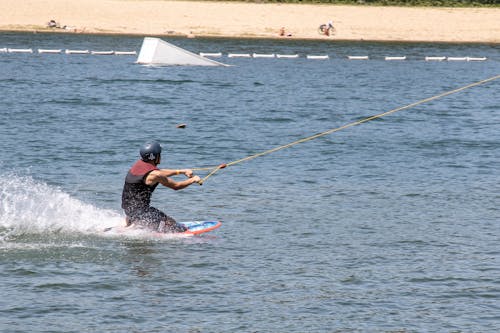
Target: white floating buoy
column 287, row 56
column 102, row 52
column 395, row 58
column 77, row 51
column 125, row 53
column 20, row 50
column 238, row 55
column 358, row 57
column 435, row 58
column 456, row 58
column 317, row 57
column 476, row 59
column 49, row 51
column 214, row 55
column 257, row 55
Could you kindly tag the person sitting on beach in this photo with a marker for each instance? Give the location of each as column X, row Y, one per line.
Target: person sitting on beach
column 141, row 181
column 283, row 33
column 52, row 24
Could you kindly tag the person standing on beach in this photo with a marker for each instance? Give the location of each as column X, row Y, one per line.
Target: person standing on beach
column 140, row 182
column 329, row 28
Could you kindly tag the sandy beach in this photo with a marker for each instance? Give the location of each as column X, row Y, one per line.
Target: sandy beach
column 239, row 19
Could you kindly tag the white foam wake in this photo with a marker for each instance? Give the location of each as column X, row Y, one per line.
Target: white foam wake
column 29, row 206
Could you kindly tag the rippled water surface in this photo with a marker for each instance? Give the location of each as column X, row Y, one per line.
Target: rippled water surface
column 392, row 225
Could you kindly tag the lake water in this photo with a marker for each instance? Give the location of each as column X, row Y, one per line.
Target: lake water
column 392, row 225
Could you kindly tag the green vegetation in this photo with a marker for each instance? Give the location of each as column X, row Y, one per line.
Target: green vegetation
column 420, row 3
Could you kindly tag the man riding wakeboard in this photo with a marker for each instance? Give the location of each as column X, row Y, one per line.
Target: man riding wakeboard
column 141, row 181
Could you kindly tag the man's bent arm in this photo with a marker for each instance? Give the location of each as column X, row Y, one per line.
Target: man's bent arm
column 162, row 177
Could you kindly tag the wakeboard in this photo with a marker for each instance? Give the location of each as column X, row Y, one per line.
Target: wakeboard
column 199, row 227
column 193, row 228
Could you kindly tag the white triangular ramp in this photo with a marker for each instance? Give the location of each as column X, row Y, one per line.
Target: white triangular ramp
column 155, row 51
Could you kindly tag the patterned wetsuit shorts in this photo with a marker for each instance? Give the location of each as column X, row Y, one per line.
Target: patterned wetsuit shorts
column 154, row 219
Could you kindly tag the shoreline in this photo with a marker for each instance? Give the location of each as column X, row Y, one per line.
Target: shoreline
column 203, row 19
column 166, row 36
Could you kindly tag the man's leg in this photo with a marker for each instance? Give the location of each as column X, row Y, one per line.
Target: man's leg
column 164, row 223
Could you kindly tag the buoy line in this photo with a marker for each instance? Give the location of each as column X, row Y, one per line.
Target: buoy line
column 333, row 130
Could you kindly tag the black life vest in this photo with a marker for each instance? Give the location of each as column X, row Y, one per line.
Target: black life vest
column 136, row 195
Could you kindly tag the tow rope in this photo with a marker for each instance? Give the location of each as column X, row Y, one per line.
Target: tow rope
column 333, row 130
